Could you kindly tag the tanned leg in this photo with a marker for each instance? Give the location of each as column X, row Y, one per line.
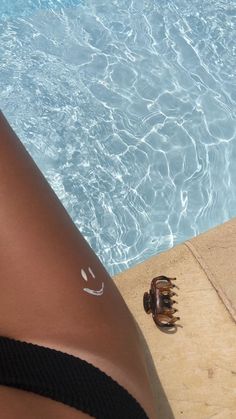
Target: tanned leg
column 54, row 289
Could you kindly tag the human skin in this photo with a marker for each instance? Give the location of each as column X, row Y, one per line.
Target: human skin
column 45, row 265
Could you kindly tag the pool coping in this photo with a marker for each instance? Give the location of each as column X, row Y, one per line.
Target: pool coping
column 215, row 251
column 193, row 370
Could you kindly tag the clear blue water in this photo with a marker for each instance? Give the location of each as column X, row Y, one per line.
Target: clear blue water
column 128, row 107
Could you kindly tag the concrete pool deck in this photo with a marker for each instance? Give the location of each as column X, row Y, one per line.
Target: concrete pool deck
column 193, row 369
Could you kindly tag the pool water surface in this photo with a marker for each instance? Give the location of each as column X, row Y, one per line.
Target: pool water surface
column 128, row 107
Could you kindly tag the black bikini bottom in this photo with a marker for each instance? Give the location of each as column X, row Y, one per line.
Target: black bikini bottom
column 65, row 378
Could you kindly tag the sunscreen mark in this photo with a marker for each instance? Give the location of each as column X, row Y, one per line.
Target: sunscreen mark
column 84, row 275
column 90, row 270
column 95, row 292
column 91, row 291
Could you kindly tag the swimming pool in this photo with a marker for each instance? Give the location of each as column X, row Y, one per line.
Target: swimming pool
column 128, row 107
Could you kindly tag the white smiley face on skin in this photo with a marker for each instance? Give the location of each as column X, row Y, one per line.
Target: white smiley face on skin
column 97, row 293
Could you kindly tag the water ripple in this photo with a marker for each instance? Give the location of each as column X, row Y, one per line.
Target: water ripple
column 128, row 107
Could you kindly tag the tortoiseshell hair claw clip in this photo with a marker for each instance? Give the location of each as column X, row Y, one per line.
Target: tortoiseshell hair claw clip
column 158, row 301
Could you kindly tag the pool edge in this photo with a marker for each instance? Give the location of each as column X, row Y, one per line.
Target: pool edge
column 195, row 365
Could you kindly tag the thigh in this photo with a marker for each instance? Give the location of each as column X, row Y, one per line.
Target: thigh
column 19, row 404
column 54, row 289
